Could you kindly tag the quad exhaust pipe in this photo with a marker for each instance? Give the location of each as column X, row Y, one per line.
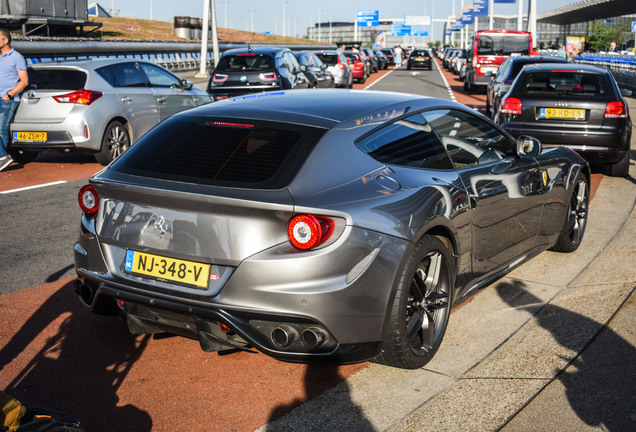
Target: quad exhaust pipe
column 283, row 336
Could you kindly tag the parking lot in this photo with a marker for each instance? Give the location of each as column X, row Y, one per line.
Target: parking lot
column 549, row 347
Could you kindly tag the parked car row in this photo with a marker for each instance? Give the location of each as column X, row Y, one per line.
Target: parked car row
column 561, row 104
column 104, row 105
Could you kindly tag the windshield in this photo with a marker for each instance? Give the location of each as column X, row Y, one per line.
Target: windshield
column 245, row 63
column 503, row 44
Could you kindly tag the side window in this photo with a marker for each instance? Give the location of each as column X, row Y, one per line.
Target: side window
column 409, row 142
column 105, row 72
column 468, row 139
column 127, row 75
column 159, row 77
column 292, row 62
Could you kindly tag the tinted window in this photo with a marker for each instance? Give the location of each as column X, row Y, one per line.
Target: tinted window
column 122, row 75
column 467, row 138
column 563, row 83
column 245, row 63
column 408, row 142
column 330, row 59
column 500, row 44
column 224, row 152
column 158, row 77
column 56, row 79
column 420, row 53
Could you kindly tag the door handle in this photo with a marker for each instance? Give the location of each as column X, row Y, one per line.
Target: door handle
column 126, row 99
column 161, row 100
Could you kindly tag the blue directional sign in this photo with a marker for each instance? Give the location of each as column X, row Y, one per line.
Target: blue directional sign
column 400, row 30
column 368, row 18
column 420, row 33
column 467, row 17
column 505, row 1
column 480, row 8
column 634, row 26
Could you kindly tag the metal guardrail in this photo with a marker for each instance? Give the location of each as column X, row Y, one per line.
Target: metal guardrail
column 623, row 67
column 179, row 56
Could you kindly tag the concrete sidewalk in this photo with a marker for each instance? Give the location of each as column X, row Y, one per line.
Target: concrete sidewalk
column 550, row 347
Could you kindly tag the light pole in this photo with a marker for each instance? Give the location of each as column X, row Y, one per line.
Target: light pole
column 330, row 17
column 225, row 4
column 284, row 17
column 319, row 31
column 252, row 20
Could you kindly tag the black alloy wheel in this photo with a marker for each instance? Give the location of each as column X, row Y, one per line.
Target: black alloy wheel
column 422, row 306
column 575, row 217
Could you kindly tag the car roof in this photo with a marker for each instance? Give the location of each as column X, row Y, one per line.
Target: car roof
column 88, row 64
column 574, row 67
column 325, row 108
column 256, row 50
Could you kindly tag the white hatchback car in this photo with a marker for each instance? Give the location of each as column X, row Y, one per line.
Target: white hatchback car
column 99, row 105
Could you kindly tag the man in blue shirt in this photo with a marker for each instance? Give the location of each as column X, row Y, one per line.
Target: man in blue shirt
column 13, row 79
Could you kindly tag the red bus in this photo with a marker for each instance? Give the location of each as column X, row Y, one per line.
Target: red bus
column 489, row 49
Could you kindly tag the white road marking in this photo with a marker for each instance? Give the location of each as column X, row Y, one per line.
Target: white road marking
column 34, row 187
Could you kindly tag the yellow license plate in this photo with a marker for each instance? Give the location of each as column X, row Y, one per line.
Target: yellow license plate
column 30, row 136
column 563, row 113
column 171, row 269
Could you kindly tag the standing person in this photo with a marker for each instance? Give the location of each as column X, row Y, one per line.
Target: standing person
column 13, row 79
column 562, row 52
column 398, row 56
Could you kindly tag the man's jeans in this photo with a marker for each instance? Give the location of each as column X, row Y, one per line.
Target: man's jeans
column 7, row 111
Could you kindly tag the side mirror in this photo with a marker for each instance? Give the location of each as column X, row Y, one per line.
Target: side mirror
column 488, row 74
column 626, row 92
column 528, row 146
column 186, row 84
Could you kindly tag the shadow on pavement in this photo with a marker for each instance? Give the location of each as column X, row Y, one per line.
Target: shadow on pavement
column 599, row 382
column 318, row 378
column 79, row 368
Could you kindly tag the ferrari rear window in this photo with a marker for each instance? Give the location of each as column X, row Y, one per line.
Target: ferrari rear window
column 222, row 152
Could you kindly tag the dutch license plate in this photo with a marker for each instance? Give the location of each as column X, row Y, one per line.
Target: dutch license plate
column 563, row 113
column 176, row 270
column 30, row 136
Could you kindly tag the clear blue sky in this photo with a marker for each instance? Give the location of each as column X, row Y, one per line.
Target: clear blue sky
column 268, row 14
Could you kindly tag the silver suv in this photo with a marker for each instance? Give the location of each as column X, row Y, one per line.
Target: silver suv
column 100, row 105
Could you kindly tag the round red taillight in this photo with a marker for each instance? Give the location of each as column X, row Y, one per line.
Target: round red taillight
column 307, row 231
column 88, row 200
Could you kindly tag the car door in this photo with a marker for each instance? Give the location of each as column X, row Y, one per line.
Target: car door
column 505, row 191
column 168, row 90
column 296, row 76
column 138, row 102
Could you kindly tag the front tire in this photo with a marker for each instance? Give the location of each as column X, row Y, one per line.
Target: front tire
column 575, row 217
column 421, row 308
column 116, row 140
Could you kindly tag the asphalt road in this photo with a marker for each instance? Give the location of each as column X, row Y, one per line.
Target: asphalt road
column 55, row 354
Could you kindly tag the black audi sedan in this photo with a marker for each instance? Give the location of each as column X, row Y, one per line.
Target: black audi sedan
column 336, row 225
column 571, row 105
column 501, row 81
column 250, row 70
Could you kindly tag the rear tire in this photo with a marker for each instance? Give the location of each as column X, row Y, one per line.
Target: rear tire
column 620, row 168
column 575, row 217
column 116, row 140
column 421, row 308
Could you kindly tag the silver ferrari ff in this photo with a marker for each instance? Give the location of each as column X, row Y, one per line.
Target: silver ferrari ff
column 340, row 225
